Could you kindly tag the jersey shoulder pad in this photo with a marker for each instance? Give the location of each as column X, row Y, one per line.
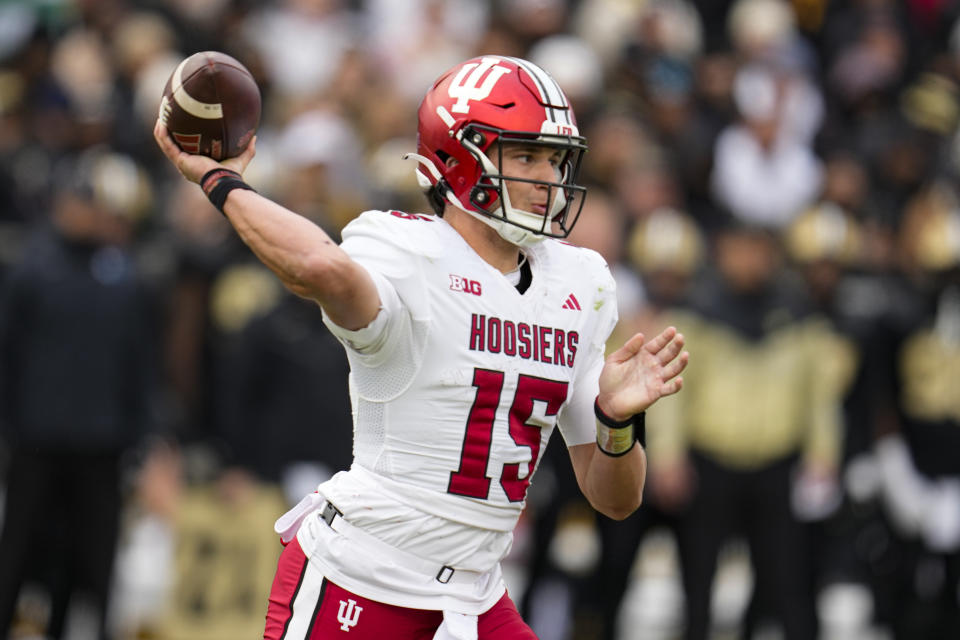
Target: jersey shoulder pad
column 580, row 262
column 414, row 233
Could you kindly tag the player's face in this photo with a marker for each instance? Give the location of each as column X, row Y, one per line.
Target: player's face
column 530, row 162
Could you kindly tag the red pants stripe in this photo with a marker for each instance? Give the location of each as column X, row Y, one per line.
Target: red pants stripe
column 304, row 605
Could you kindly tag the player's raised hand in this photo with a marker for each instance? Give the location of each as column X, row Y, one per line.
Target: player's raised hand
column 194, row 167
column 639, row 373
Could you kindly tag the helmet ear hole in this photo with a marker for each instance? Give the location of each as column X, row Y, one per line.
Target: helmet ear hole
column 448, row 160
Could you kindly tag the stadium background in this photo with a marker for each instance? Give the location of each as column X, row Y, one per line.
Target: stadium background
column 246, row 394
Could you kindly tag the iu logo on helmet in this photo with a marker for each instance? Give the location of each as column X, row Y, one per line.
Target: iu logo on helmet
column 468, row 87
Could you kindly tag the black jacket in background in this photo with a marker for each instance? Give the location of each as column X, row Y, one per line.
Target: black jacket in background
column 74, row 346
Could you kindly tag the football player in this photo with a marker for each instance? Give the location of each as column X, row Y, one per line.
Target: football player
column 471, row 332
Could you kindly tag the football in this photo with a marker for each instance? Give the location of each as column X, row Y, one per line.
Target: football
column 211, row 105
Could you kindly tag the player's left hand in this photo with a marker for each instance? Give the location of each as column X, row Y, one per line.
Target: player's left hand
column 639, row 373
column 194, row 167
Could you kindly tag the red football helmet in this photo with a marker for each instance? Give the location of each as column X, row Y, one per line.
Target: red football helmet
column 471, row 111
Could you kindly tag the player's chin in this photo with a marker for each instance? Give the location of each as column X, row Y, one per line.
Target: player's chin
column 537, row 210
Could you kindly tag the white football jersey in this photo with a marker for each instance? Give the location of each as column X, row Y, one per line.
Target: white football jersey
column 458, row 384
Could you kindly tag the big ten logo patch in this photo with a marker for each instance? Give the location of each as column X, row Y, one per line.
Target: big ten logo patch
column 459, row 283
column 224, row 564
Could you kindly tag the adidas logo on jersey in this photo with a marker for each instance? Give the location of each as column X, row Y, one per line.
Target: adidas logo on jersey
column 571, row 303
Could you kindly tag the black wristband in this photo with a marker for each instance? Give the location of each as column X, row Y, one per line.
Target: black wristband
column 218, row 183
column 640, row 428
column 616, row 438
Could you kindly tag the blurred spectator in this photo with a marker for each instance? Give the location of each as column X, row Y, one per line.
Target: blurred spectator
column 302, row 43
column 765, row 171
column 900, row 157
column 576, row 67
column 656, row 75
column 765, row 32
column 413, row 41
column 866, row 49
column 605, row 25
column 827, row 245
column 219, row 575
column 646, row 184
column 283, row 403
column 142, row 47
column 715, row 72
column 846, row 183
column 531, row 20
column 77, row 356
column 917, row 425
column 82, row 67
column 759, row 421
column 667, row 251
column 197, row 239
column 617, row 136
column 656, row 57
column 824, row 242
column 322, row 177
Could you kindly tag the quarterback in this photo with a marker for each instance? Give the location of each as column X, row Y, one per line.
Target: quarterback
column 471, row 332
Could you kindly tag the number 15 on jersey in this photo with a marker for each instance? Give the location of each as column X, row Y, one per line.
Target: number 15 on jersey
column 471, row 478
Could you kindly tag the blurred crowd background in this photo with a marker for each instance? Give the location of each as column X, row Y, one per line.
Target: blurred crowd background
column 779, row 178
